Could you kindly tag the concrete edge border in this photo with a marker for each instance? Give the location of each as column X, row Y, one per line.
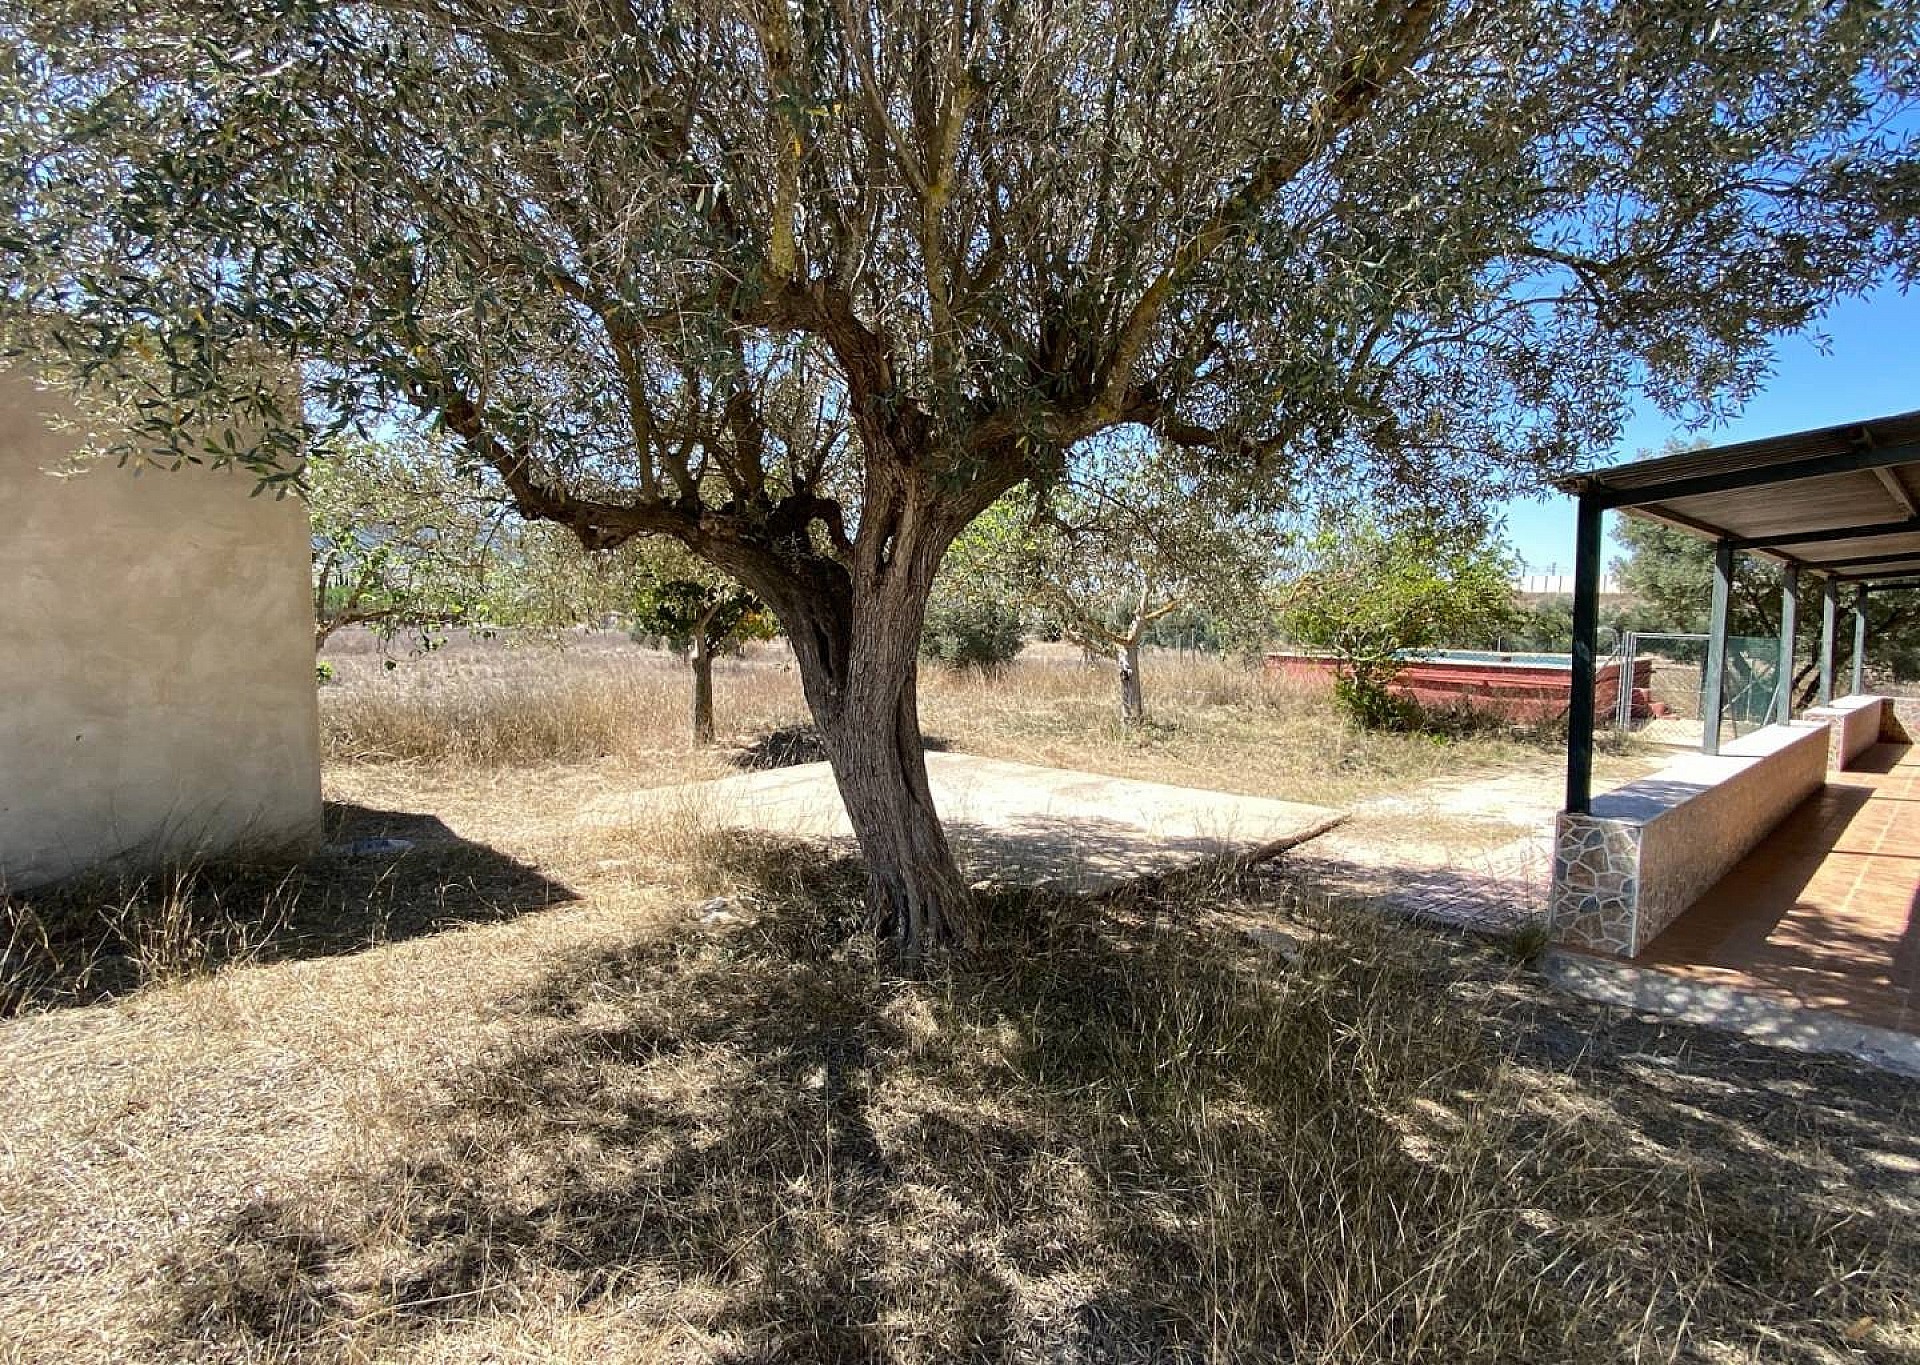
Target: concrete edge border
column 1802, row 1029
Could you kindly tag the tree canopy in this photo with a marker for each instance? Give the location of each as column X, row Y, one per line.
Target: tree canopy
column 807, row 286
column 1377, row 596
column 399, row 540
column 1116, row 545
column 698, row 611
column 1670, row 573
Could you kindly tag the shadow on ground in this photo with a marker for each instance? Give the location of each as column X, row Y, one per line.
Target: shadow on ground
column 1114, row 1134
column 95, row 937
column 791, row 745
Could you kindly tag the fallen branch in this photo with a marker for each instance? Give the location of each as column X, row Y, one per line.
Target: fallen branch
column 1267, row 852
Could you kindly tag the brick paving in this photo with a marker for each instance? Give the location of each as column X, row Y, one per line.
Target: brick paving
column 1826, row 911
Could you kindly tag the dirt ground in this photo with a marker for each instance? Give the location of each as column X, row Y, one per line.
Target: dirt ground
column 546, row 1089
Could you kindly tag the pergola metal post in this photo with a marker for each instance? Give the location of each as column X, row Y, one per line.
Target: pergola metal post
column 1586, row 632
column 1829, row 631
column 1789, row 626
column 1859, row 640
column 1715, row 680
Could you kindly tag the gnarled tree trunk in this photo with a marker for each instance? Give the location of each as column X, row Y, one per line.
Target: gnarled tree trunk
column 857, row 643
column 915, row 889
column 1133, row 704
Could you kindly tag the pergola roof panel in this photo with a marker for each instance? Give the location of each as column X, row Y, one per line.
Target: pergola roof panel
column 1824, row 499
column 1877, row 433
column 1842, row 553
column 1831, row 501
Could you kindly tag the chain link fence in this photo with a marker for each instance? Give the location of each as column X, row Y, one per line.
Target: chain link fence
column 1668, row 706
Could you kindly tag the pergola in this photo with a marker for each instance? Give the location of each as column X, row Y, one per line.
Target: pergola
column 1841, row 502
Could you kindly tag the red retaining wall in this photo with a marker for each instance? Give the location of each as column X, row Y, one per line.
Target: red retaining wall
column 1519, row 692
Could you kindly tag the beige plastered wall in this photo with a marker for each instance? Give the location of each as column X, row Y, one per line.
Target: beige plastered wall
column 156, row 659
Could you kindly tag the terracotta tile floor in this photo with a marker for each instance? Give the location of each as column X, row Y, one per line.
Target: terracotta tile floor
column 1826, row 910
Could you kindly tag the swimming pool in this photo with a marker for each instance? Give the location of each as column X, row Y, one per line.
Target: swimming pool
column 1487, row 656
column 1525, row 688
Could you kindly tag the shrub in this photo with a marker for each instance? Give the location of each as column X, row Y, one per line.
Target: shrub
column 972, row 633
column 1368, row 700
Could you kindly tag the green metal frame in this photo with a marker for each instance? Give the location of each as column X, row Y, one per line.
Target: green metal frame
column 1829, row 630
column 1585, row 673
column 1789, row 629
column 1859, row 642
column 1713, row 692
column 1871, row 531
column 1596, row 498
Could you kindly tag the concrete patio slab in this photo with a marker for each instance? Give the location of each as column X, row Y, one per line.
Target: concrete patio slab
column 1765, row 1018
column 1013, row 823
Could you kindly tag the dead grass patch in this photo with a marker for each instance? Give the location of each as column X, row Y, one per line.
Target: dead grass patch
column 1116, row 1135
column 1125, row 1131
column 638, row 1127
column 1213, row 723
column 110, row 934
column 611, row 705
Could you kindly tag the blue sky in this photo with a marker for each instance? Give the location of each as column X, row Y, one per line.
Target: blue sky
column 1863, row 361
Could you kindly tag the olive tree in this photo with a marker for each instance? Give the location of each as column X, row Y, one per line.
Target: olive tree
column 1104, row 555
column 399, row 539
column 806, row 285
column 700, row 612
column 1377, row 597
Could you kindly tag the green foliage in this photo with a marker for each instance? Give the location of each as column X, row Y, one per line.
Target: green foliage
column 1144, row 554
column 1363, row 691
column 647, row 281
column 974, row 618
column 1375, row 595
column 400, row 540
column 694, row 609
column 1545, row 626
column 807, row 288
column 404, row 541
column 1670, row 572
column 972, row 632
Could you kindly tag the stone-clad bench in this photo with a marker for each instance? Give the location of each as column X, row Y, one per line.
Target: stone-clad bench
column 1857, row 723
column 1648, row 850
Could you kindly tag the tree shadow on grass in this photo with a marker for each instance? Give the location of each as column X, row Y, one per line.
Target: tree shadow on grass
column 99, row 936
column 1110, row 1135
column 791, row 745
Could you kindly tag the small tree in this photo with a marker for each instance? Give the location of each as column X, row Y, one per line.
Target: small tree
column 547, row 580
column 1377, row 595
column 1103, row 559
column 699, row 613
column 972, row 632
column 399, row 539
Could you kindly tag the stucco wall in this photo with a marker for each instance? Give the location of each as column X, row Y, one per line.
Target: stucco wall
column 156, row 659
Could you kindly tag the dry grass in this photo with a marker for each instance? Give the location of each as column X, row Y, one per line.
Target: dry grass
column 580, row 699
column 105, row 936
column 560, row 1106
column 1124, row 1132
column 1215, row 723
